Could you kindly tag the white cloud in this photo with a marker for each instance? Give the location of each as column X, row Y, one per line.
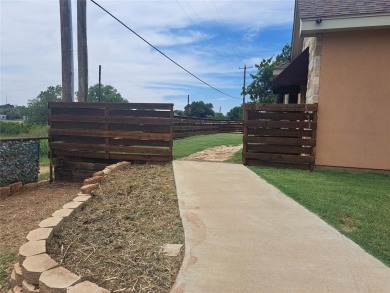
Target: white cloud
column 206, row 38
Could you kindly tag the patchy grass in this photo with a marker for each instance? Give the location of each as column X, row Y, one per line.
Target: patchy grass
column 6, row 260
column 116, row 241
column 236, row 158
column 187, row 146
column 355, row 203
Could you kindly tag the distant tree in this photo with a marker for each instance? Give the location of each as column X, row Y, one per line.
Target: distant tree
column 109, row 94
column 219, row 116
column 178, row 112
column 199, row 109
column 37, row 111
column 12, row 112
column 235, row 113
column 260, row 89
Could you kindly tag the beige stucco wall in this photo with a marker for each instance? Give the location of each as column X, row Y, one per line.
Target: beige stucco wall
column 354, row 100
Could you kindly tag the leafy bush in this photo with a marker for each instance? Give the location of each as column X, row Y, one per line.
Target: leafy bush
column 14, row 128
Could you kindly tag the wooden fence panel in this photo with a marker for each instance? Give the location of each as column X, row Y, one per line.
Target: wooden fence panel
column 82, row 134
column 280, row 135
column 189, row 126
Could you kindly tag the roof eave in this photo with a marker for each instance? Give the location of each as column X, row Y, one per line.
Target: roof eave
column 297, row 41
column 312, row 26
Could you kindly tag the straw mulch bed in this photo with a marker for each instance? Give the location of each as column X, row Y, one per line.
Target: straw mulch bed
column 116, row 240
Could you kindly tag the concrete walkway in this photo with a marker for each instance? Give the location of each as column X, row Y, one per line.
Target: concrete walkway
column 243, row 235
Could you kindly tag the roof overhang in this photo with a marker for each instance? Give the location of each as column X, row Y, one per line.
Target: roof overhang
column 311, row 27
column 308, row 27
column 294, row 76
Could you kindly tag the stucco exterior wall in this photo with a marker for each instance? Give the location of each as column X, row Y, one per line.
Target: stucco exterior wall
column 354, row 100
column 313, row 75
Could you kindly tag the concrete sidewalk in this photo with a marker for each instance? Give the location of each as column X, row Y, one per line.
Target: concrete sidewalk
column 244, row 235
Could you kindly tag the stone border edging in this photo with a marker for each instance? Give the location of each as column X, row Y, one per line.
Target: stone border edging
column 36, row 271
column 12, row 188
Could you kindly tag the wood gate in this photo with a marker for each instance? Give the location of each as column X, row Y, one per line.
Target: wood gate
column 83, row 137
column 280, row 135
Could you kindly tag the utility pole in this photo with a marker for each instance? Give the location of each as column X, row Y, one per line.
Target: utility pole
column 243, row 90
column 82, row 50
column 100, row 83
column 66, row 50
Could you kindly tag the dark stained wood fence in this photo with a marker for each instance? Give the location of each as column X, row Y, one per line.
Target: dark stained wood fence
column 84, row 137
column 280, row 135
column 189, row 126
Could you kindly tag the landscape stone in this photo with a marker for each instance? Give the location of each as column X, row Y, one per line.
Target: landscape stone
column 5, row 191
column 82, row 198
column 15, row 186
column 122, row 165
column 57, row 280
column 76, row 205
column 43, row 181
column 111, row 167
column 171, row 249
column 17, row 289
column 30, row 185
column 99, row 173
column 87, row 287
column 31, row 248
column 18, row 270
column 107, row 171
column 28, row 288
column 52, row 222
column 63, row 213
column 93, row 180
column 34, row 266
column 16, row 279
column 40, row 234
column 86, row 189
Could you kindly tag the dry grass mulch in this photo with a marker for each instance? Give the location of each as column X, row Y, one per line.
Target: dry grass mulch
column 116, row 240
column 22, row 212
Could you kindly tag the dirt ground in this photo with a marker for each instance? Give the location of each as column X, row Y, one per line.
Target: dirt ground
column 24, row 210
column 216, row 154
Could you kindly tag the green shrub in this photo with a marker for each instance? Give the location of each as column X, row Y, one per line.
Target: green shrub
column 14, row 128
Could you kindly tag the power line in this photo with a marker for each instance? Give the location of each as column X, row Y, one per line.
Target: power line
column 155, row 48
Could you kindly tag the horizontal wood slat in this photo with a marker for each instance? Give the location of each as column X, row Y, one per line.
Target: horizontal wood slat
column 280, row 140
column 190, row 126
column 112, row 106
column 281, row 124
column 281, row 149
column 103, row 133
column 280, row 135
column 282, row 107
column 280, row 158
column 280, row 132
column 113, row 134
column 115, row 119
column 109, row 148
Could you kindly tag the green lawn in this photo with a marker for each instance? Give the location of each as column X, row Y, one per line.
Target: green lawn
column 5, row 260
column 355, row 203
column 187, row 146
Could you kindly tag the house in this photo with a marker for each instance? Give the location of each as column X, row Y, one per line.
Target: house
column 3, row 117
column 341, row 60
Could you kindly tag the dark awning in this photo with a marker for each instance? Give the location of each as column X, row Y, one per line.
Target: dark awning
column 294, row 76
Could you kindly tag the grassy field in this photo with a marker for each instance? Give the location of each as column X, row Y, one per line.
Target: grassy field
column 355, row 203
column 187, row 146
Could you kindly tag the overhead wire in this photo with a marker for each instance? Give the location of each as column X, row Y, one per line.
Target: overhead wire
column 225, row 26
column 162, row 53
column 225, row 35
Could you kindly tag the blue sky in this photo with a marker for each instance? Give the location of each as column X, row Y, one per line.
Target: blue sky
column 212, row 39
